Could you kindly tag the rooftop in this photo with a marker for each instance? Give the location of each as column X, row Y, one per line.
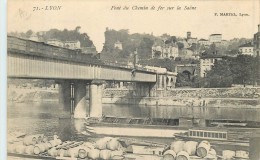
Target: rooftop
column 203, row 39
column 247, row 45
column 72, row 41
column 54, row 40
column 215, row 34
column 208, row 56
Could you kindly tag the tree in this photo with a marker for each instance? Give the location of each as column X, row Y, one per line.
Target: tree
column 29, row 33
column 183, row 80
column 145, row 47
column 244, row 69
column 180, row 45
column 219, row 76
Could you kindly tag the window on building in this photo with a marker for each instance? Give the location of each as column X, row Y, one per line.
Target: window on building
column 209, row 134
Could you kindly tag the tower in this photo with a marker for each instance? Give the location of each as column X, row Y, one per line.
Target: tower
column 188, row 35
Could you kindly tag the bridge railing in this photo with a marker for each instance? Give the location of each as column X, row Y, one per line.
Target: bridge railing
column 49, row 51
column 46, row 50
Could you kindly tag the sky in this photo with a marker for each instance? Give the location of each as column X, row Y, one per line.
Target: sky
column 95, row 16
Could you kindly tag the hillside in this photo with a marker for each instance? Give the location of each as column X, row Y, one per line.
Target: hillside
column 63, row 35
column 130, row 43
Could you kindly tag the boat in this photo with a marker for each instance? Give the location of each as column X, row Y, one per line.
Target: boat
column 232, row 123
column 217, row 136
column 133, row 127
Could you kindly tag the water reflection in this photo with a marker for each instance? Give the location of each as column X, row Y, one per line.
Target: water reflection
column 250, row 114
column 44, row 117
column 50, row 118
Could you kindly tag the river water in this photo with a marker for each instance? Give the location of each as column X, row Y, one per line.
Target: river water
column 44, row 117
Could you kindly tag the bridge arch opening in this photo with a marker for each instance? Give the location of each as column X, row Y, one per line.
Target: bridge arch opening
column 187, row 73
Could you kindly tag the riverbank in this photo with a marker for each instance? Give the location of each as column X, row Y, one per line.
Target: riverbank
column 208, row 97
column 20, row 94
column 185, row 101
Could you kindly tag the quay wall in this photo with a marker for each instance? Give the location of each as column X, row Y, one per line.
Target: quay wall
column 166, row 101
column 218, row 97
column 243, row 92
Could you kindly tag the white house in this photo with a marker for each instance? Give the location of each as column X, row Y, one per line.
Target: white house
column 215, row 38
column 204, row 42
column 257, row 42
column 165, row 51
column 72, row 44
column 247, row 49
column 192, row 40
column 207, row 62
column 118, row 45
column 55, row 42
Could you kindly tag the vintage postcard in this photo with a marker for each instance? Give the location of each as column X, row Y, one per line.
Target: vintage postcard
column 146, row 80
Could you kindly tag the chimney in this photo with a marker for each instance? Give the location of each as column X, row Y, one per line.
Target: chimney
column 258, row 27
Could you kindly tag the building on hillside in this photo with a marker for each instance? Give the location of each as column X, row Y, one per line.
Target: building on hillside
column 195, row 56
column 72, row 44
column 190, row 53
column 165, row 51
column 55, row 42
column 34, row 37
column 156, row 52
column 190, row 39
column 42, row 33
column 118, row 45
column 207, row 61
column 188, row 34
column 186, row 53
column 247, row 49
column 204, row 42
column 257, row 42
column 89, row 50
column 224, row 43
column 184, row 42
column 215, row 38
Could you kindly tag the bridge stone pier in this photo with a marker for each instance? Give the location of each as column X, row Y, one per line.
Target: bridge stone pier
column 73, row 96
column 65, row 94
column 95, row 98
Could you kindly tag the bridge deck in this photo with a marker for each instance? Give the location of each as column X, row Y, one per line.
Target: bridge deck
column 29, row 59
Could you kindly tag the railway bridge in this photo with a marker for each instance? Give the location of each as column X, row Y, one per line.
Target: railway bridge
column 73, row 71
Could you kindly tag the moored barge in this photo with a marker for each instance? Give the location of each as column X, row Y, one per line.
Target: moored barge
column 134, row 127
column 219, row 136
